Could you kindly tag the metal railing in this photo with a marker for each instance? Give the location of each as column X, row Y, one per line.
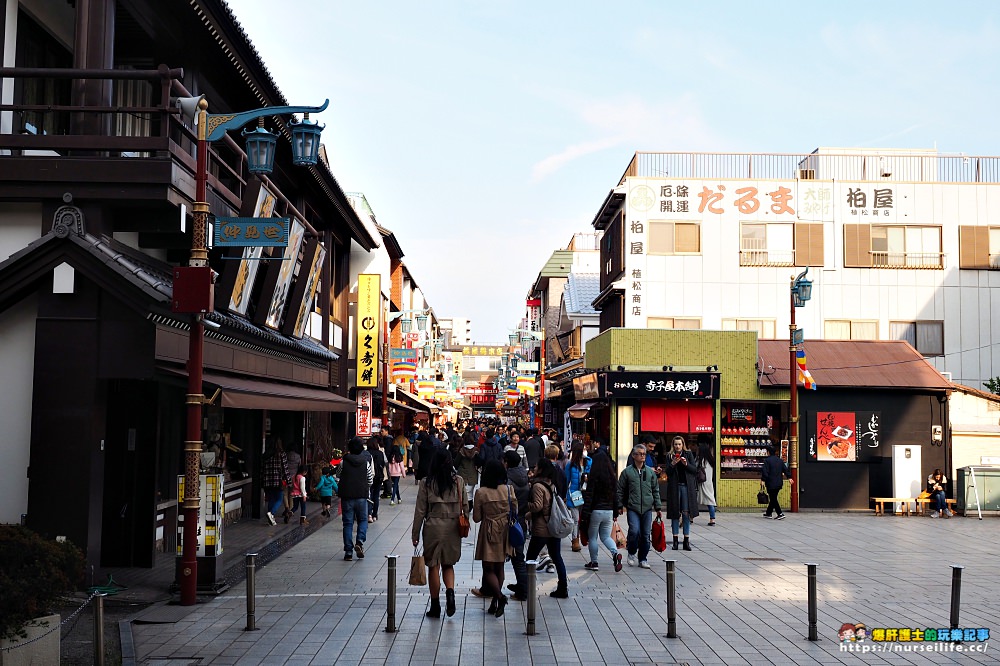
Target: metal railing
column 933, row 260
column 887, row 165
column 765, row 257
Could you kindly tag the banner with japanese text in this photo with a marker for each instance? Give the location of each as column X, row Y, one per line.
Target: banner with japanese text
column 369, row 328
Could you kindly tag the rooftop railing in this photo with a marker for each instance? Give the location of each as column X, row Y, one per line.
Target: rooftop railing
column 862, row 165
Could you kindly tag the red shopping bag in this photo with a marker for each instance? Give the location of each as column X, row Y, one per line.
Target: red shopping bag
column 659, row 536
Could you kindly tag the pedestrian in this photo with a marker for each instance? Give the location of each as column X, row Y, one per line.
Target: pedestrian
column 356, row 476
column 639, row 494
column 491, row 507
column 293, row 462
column 682, row 490
column 299, row 494
column 516, row 446
column 465, row 465
column 771, row 478
column 534, row 448
column 396, row 472
column 517, row 478
column 440, row 501
column 600, row 509
column 276, row 478
column 326, row 487
column 936, row 483
column 706, row 488
column 552, row 453
column 425, row 452
column 543, row 489
column 576, row 476
column 379, row 465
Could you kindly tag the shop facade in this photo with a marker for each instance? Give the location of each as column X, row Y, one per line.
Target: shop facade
column 701, row 385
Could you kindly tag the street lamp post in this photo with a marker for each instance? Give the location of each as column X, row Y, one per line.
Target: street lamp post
column 800, row 292
column 260, row 146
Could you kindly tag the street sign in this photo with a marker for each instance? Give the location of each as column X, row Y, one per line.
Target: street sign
column 251, row 231
column 798, row 336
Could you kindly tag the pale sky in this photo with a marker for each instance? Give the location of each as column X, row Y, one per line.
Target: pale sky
column 486, row 134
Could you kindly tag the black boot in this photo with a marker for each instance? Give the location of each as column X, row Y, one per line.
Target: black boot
column 435, row 610
column 561, row 591
column 687, row 544
column 449, row 599
column 675, row 542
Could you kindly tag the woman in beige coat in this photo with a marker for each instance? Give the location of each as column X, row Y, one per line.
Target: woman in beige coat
column 440, row 500
column 491, row 506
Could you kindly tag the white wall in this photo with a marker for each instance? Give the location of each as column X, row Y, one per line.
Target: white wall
column 21, row 224
column 712, row 285
column 17, row 356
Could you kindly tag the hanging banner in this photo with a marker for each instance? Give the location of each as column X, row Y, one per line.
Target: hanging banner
column 239, row 301
column 364, row 413
column 369, row 314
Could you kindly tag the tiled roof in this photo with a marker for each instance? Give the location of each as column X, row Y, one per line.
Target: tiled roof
column 852, row 364
column 581, row 290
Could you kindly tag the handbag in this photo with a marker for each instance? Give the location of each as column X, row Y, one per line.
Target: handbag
column 418, row 570
column 700, row 475
column 659, row 536
column 584, row 528
column 463, row 525
column 575, row 499
column 762, row 497
column 515, row 533
column 618, row 534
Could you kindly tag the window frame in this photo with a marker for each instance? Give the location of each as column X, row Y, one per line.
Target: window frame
column 673, row 223
column 917, row 323
column 733, row 324
column 674, row 320
column 851, row 323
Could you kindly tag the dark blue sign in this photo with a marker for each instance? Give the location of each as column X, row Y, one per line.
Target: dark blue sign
column 251, row 231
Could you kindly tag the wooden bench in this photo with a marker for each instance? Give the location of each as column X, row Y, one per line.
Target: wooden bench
column 922, row 502
column 880, row 504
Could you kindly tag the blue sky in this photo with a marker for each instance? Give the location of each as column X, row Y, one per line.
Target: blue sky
column 485, row 134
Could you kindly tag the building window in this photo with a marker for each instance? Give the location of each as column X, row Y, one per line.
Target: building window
column 767, row 244
column 689, row 323
column 927, row 337
column 765, row 327
column 892, row 246
column 850, row 329
column 674, row 237
column 979, row 247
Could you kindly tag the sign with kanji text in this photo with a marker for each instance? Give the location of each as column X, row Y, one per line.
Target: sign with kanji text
column 251, row 231
column 364, row 413
column 369, row 330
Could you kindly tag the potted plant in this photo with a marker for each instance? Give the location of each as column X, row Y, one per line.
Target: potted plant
column 34, row 574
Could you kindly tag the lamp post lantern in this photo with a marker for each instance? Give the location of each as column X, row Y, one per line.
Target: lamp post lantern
column 260, row 146
column 800, row 292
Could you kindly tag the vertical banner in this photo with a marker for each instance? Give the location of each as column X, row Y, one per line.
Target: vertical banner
column 239, row 301
column 364, row 413
column 369, row 315
column 211, row 515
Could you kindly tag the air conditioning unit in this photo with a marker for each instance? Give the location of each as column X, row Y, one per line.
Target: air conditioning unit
column 805, row 174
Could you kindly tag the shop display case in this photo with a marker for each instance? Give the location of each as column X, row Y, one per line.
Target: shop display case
column 746, row 432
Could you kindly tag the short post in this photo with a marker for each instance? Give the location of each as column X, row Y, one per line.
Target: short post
column 251, row 565
column 532, row 596
column 671, row 599
column 99, row 629
column 811, row 568
column 390, row 602
column 956, row 593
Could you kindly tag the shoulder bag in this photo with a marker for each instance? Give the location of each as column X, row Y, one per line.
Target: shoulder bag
column 515, row 533
column 762, row 497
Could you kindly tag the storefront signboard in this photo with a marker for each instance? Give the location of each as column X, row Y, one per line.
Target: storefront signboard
column 364, row 413
column 585, row 387
column 664, row 385
column 369, row 336
column 210, row 515
column 737, row 414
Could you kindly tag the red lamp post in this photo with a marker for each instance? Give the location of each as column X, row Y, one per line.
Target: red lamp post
column 799, row 292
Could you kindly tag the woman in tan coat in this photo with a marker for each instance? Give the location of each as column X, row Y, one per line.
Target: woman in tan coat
column 491, row 506
column 440, row 500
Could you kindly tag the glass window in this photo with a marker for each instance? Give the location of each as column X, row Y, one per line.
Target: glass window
column 900, row 246
column 927, row 337
column 847, row 329
column 674, row 237
column 765, row 327
column 767, row 244
column 689, row 323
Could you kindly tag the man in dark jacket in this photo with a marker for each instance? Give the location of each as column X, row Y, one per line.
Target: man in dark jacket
column 490, row 450
column 356, row 476
column 517, row 479
column 534, row 448
column 771, row 476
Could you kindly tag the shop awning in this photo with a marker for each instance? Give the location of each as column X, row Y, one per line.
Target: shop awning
column 679, row 416
column 245, row 393
column 399, row 405
column 582, row 409
column 421, row 405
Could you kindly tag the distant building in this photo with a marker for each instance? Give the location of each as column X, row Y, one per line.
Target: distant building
column 457, row 331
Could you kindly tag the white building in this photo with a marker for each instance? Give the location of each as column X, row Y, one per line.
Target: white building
column 899, row 245
column 458, row 331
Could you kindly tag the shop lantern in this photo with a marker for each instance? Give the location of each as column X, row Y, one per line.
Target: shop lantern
column 260, row 145
column 305, row 141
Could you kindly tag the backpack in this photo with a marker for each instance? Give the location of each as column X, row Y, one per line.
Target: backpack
column 560, row 521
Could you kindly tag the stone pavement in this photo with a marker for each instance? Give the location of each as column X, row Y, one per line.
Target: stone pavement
column 741, row 599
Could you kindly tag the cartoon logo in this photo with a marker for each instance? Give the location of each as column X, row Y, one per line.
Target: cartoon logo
column 853, row 633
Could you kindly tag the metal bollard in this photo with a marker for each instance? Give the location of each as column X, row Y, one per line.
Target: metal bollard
column 532, row 596
column 99, row 629
column 956, row 593
column 251, row 564
column 671, row 600
column 811, row 568
column 390, row 602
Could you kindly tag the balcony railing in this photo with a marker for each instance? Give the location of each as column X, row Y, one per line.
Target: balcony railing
column 922, row 166
column 754, row 252
column 907, row 259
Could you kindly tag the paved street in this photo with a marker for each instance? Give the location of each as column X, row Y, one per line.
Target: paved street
column 741, row 599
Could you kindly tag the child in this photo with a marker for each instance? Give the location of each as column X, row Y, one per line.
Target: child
column 396, row 471
column 326, row 487
column 299, row 494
